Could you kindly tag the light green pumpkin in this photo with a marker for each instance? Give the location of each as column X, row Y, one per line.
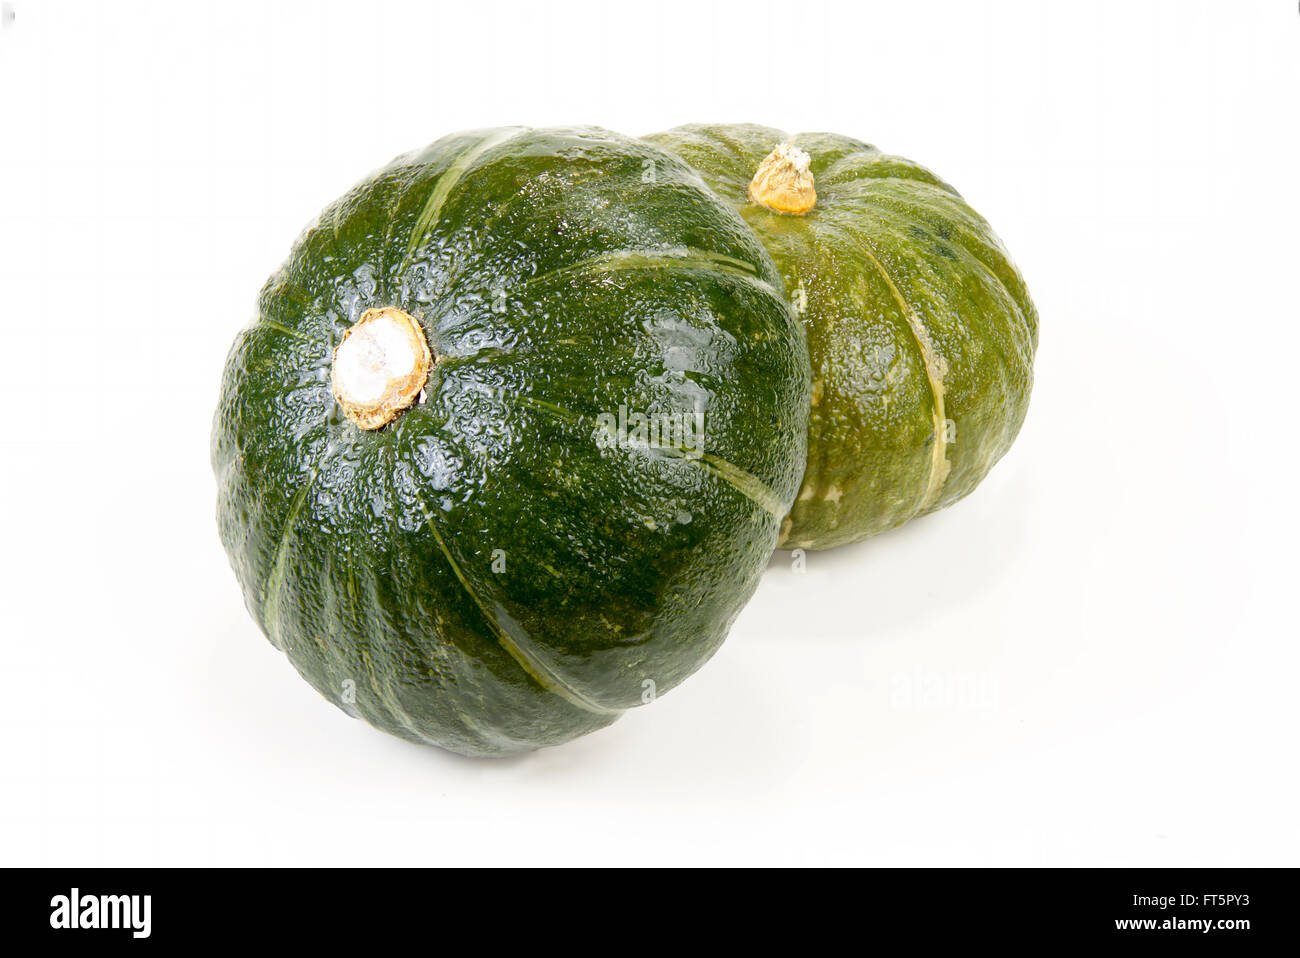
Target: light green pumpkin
column 920, row 330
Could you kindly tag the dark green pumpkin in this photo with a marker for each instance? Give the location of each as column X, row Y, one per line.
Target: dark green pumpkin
column 499, row 568
column 920, row 330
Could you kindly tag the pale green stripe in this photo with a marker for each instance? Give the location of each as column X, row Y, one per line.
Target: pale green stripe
column 275, row 580
column 433, row 205
column 530, row 664
column 265, row 323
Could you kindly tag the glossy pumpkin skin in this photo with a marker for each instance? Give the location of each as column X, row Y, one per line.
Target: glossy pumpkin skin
column 920, row 330
column 490, row 572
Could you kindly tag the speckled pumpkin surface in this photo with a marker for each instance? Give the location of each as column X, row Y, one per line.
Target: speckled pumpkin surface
column 483, row 546
column 920, row 330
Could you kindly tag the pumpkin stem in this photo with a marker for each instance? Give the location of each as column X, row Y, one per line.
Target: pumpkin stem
column 784, row 181
column 380, row 367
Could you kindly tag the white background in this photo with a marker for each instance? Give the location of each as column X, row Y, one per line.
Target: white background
column 1091, row 660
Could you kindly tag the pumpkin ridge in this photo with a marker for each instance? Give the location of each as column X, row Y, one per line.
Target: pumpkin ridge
column 275, row 578
column 737, row 148
column 384, row 686
column 680, row 257
column 447, row 181
column 1015, row 291
column 536, row 670
column 386, row 696
column 939, row 465
column 270, row 324
column 383, row 255
column 389, row 701
column 742, row 480
column 970, row 252
column 866, row 181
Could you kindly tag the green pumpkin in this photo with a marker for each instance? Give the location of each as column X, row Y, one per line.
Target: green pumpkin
column 510, row 440
column 920, row 331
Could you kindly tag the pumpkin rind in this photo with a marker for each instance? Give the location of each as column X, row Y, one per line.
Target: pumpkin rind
column 920, row 330
column 489, row 572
